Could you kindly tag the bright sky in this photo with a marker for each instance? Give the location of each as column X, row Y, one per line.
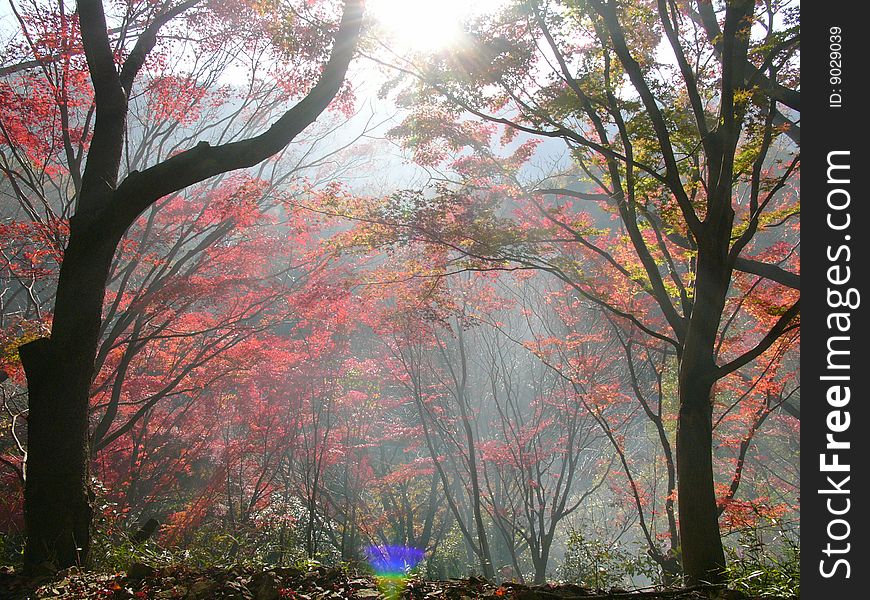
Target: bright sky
column 423, row 25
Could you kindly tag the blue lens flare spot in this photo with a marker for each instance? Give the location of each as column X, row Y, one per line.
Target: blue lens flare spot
column 393, row 560
column 392, row 564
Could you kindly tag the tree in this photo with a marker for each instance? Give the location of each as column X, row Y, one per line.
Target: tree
column 639, row 373
column 60, row 368
column 436, row 375
column 544, row 459
column 689, row 155
column 510, row 443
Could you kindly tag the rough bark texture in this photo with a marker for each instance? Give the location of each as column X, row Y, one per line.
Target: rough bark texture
column 703, row 557
column 57, row 500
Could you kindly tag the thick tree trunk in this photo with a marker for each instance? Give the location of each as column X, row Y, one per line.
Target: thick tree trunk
column 701, row 543
column 58, row 503
column 703, row 557
column 540, row 562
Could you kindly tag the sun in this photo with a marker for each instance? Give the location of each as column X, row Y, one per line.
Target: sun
column 424, row 26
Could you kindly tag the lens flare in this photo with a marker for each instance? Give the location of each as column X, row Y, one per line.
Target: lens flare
column 392, row 564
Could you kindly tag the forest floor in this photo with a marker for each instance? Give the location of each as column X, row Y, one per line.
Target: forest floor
column 177, row 582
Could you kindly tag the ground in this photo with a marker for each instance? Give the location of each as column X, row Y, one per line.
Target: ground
column 142, row 581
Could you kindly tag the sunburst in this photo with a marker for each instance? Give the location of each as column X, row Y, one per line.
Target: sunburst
column 423, row 26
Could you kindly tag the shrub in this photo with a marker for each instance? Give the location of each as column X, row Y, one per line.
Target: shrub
column 602, row 566
column 764, row 564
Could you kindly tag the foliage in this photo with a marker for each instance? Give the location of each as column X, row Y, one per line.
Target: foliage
column 211, row 545
column 765, row 562
column 601, row 565
column 687, row 155
column 290, row 370
column 449, row 559
column 11, row 548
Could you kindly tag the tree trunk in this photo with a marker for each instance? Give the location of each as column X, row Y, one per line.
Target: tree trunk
column 703, row 557
column 701, row 543
column 58, row 502
column 540, row 562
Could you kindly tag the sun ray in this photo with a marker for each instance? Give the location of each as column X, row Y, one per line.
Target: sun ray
column 423, row 26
